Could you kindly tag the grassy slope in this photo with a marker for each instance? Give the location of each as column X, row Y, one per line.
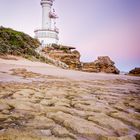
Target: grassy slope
column 18, row 43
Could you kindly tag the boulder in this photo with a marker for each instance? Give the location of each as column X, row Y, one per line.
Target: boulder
column 135, row 72
column 67, row 55
column 102, row 64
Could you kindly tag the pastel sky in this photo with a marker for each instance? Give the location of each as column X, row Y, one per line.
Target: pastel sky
column 94, row 27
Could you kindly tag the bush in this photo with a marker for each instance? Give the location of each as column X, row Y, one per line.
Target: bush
column 3, row 49
column 17, row 43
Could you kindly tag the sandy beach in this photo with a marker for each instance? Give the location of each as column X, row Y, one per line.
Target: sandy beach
column 42, row 68
column 42, row 102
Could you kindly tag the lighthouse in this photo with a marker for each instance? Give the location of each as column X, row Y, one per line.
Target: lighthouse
column 48, row 33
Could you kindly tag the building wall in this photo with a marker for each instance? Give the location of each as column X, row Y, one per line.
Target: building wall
column 46, row 21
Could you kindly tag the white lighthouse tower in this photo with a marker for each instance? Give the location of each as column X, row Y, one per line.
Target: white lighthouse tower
column 48, row 34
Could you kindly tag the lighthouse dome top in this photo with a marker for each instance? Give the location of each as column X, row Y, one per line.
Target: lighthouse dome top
column 47, row 2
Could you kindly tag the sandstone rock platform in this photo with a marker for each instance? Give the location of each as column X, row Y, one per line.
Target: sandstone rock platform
column 43, row 102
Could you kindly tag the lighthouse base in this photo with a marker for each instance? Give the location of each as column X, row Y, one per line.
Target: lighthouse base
column 46, row 37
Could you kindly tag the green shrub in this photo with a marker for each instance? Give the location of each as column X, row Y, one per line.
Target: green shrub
column 17, row 43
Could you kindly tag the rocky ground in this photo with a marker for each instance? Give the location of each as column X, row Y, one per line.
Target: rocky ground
column 134, row 72
column 71, row 58
column 42, row 102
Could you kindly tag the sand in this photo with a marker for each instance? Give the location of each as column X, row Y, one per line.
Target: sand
column 42, row 68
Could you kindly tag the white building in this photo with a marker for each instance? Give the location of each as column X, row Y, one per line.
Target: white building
column 48, row 34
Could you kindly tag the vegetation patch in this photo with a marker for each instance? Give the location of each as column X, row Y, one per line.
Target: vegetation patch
column 20, row 44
